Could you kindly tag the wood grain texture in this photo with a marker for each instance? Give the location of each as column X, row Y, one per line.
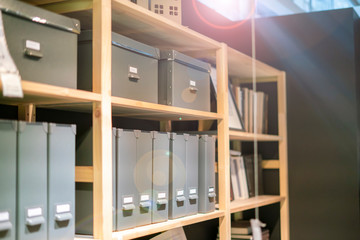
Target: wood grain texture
column 84, row 174
column 254, row 202
column 223, row 141
column 246, row 136
column 270, row 164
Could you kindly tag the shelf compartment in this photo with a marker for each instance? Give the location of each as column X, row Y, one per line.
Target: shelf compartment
column 251, row 203
column 170, row 224
column 124, row 107
column 246, row 136
column 140, row 24
column 44, row 95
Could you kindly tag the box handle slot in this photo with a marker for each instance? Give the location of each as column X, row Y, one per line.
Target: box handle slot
column 33, row 53
column 128, row 207
column 145, row 204
column 35, row 221
column 193, row 89
column 134, row 76
column 63, row 217
column 161, row 202
column 4, row 226
column 180, row 199
column 193, row 197
column 212, row 195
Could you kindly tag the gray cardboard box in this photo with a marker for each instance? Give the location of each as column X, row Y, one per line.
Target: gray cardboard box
column 143, row 177
column 84, row 191
column 32, row 181
column 127, row 194
column 42, row 44
column 192, row 165
column 160, row 176
column 8, row 132
column 134, row 67
column 183, row 81
column 61, row 181
column 207, row 173
column 177, row 176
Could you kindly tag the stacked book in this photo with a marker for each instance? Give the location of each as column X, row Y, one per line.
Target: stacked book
column 242, row 176
column 241, row 229
column 252, row 105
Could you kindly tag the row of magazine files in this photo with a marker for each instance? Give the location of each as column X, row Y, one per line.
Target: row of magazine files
column 156, row 176
column 242, row 175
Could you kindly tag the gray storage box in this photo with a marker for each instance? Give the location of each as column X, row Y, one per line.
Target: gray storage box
column 184, row 81
column 134, row 67
column 177, row 176
column 8, row 179
column 192, row 165
column 42, row 44
column 160, row 176
column 84, row 191
column 32, row 181
column 134, row 178
column 207, row 173
column 61, row 181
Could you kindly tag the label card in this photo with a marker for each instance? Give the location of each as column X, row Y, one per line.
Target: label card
column 161, row 195
column 34, row 212
column 145, row 198
column 133, row 70
column 11, row 84
column 32, row 45
column 192, row 83
column 61, row 208
column 180, row 192
column 127, row 200
column 193, row 191
column 4, row 216
column 211, row 189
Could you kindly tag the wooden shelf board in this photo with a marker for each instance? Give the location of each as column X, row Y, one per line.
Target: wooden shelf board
column 270, row 164
column 140, row 24
column 245, row 136
column 47, row 95
column 124, row 107
column 84, row 174
column 170, row 224
column 251, row 203
column 84, row 237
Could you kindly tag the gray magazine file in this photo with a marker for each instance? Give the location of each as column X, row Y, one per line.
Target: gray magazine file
column 183, row 81
column 84, row 191
column 32, row 181
column 134, row 67
column 8, row 132
column 177, row 176
column 41, row 43
column 160, row 176
column 192, row 165
column 61, row 181
column 207, row 173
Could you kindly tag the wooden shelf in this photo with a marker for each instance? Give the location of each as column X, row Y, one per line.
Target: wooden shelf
column 136, row 109
column 260, row 201
column 270, row 164
column 140, row 24
column 49, row 95
column 170, row 224
column 245, row 136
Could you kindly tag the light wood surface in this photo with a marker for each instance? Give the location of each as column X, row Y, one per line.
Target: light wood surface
column 84, row 174
column 102, row 130
column 283, row 155
column 245, row 136
column 270, row 164
column 251, row 203
column 137, row 109
column 223, row 142
column 170, row 224
column 43, row 94
column 27, row 112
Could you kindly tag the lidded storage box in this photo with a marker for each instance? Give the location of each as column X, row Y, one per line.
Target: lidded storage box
column 134, row 67
column 42, row 44
column 184, row 81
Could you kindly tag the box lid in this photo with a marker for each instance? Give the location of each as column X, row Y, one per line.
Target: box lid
column 172, row 55
column 38, row 15
column 126, row 43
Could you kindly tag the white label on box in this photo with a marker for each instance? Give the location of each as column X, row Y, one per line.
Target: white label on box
column 34, row 212
column 127, row 200
column 133, row 70
column 192, row 83
column 180, row 192
column 145, row 198
column 193, row 191
column 11, row 84
column 161, row 195
column 4, row 216
column 61, row 208
column 32, row 45
column 211, row 189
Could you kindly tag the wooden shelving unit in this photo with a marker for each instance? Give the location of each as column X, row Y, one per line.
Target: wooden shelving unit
column 126, row 18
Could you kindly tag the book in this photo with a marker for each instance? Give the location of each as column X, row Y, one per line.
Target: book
column 242, row 177
column 246, row 108
column 234, row 179
column 265, row 235
column 250, row 174
column 241, row 227
column 251, row 111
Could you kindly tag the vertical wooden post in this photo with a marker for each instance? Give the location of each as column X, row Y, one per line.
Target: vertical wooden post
column 223, row 141
column 165, row 126
column 102, row 154
column 283, row 157
column 27, row 112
